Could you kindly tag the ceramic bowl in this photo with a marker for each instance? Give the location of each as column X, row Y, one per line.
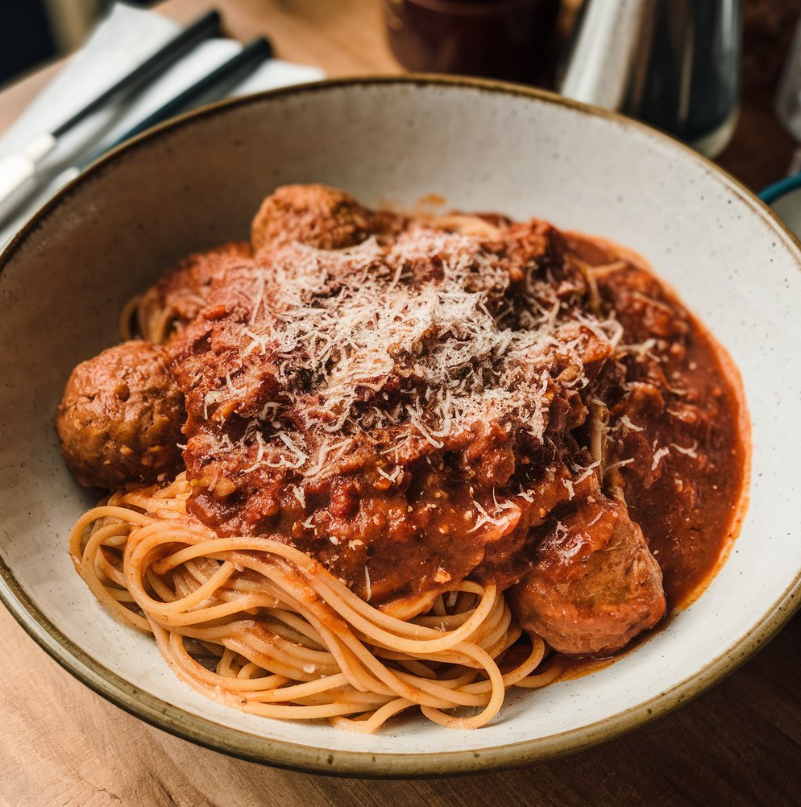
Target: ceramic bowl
column 197, row 181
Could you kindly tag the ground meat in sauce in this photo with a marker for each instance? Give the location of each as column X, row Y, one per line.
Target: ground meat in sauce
column 675, row 414
column 475, row 446
column 315, row 215
column 121, row 416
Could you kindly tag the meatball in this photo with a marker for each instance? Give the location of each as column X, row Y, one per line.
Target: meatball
column 315, row 215
column 177, row 298
column 120, row 418
column 595, row 584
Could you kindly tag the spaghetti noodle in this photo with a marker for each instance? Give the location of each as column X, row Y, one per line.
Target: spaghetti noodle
column 261, row 626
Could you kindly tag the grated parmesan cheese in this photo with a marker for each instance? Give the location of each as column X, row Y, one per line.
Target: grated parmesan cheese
column 689, row 451
column 390, row 477
column 627, row 422
column 618, row 464
column 420, row 339
column 659, row 454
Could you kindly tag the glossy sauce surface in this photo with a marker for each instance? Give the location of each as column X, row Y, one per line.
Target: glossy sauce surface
column 690, row 402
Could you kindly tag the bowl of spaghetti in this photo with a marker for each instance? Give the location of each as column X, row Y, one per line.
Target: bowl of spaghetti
column 419, row 417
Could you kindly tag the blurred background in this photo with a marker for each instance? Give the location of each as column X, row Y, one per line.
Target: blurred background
column 33, row 31
column 707, row 71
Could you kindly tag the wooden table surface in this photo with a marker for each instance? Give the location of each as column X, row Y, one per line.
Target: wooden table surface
column 740, row 744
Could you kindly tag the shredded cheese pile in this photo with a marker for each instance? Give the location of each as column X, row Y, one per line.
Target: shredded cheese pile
column 423, row 338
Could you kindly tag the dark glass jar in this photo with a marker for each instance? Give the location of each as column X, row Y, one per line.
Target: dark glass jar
column 507, row 39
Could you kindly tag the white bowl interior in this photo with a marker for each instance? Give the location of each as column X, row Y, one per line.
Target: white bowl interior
column 199, row 183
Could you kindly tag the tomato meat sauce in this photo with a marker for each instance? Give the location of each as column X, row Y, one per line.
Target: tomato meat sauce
column 416, row 402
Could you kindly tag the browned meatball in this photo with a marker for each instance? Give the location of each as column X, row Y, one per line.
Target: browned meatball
column 176, row 298
column 594, row 586
column 315, row 215
column 120, row 418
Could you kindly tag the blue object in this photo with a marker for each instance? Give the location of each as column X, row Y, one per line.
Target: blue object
column 784, row 198
column 780, row 188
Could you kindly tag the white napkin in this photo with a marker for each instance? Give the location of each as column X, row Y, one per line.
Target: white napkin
column 124, row 39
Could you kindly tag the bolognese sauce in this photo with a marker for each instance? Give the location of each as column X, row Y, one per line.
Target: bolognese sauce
column 416, row 402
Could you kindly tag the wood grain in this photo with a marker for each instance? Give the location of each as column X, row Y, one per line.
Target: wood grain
column 739, row 745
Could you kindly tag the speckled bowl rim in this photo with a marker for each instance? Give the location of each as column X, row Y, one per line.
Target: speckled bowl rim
column 778, row 190
column 298, row 757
